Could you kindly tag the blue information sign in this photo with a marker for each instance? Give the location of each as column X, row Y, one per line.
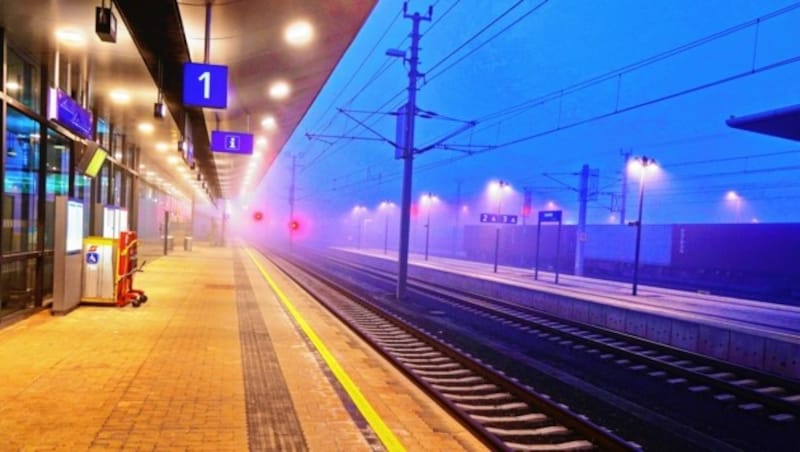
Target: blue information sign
column 205, row 85
column 550, row 215
column 69, row 113
column 498, row 218
column 231, row 142
column 92, row 258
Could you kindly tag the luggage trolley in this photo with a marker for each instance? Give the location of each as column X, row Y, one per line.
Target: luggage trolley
column 127, row 266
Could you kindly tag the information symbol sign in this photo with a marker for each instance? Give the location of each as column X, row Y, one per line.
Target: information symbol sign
column 205, row 85
column 232, row 142
column 92, row 258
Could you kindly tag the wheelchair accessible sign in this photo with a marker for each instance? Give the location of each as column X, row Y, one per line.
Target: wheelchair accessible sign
column 92, row 257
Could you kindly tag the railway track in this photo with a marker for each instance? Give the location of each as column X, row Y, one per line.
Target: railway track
column 505, row 414
column 758, row 393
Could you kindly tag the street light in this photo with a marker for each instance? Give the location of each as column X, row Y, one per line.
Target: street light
column 357, row 211
column 643, row 163
column 737, row 203
column 386, row 206
column 428, row 199
column 497, row 188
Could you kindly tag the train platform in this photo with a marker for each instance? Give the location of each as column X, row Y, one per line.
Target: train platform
column 755, row 334
column 227, row 354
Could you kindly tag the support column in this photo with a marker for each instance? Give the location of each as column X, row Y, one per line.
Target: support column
column 408, row 153
column 580, row 239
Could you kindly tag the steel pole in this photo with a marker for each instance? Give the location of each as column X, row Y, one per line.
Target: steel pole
column 497, row 231
column 496, row 247
column 427, row 231
column 538, row 242
column 638, row 233
column 166, row 231
column 386, row 236
column 359, row 231
column 408, row 156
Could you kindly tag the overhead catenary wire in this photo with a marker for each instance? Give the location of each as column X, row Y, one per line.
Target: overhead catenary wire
column 519, row 108
column 434, row 75
column 634, row 66
column 361, row 65
column 329, row 151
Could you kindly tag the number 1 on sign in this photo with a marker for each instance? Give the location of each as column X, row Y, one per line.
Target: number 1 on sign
column 205, row 77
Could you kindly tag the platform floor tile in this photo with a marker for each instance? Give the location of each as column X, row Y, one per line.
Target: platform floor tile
column 419, row 423
column 169, row 375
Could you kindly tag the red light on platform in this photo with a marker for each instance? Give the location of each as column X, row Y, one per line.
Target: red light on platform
column 258, row 215
column 294, row 225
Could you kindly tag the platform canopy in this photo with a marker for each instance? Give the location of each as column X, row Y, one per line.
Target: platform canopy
column 782, row 122
column 146, row 63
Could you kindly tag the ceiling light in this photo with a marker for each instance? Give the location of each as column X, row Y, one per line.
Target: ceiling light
column 269, row 122
column 279, row 90
column 146, row 127
column 298, row 33
column 173, row 159
column 161, row 146
column 120, row 97
column 70, row 37
column 261, row 141
column 12, row 86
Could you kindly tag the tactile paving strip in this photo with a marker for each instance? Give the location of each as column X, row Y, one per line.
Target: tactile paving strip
column 272, row 423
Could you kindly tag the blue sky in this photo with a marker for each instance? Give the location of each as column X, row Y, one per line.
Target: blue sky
column 533, row 50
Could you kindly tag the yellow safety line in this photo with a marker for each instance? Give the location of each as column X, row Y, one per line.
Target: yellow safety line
column 381, row 429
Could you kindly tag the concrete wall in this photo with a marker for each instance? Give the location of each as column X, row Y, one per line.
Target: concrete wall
column 772, row 353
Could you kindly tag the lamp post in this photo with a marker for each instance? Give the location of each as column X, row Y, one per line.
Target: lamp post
column 428, row 199
column 737, row 203
column 499, row 187
column 643, row 163
column 386, row 206
column 357, row 211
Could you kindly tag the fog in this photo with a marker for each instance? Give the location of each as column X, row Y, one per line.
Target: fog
column 528, row 95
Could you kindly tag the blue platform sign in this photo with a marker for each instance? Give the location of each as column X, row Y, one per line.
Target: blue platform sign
column 231, row 142
column 69, row 113
column 499, row 218
column 550, row 215
column 92, row 258
column 205, row 85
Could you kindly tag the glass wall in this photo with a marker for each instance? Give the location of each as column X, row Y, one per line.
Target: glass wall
column 83, row 192
column 57, row 164
column 20, row 188
column 19, row 283
column 57, row 180
column 22, row 81
column 35, row 172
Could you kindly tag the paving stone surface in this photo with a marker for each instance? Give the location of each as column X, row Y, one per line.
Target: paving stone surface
column 169, row 375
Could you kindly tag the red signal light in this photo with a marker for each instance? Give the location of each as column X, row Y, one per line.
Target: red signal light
column 258, row 216
column 294, row 225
